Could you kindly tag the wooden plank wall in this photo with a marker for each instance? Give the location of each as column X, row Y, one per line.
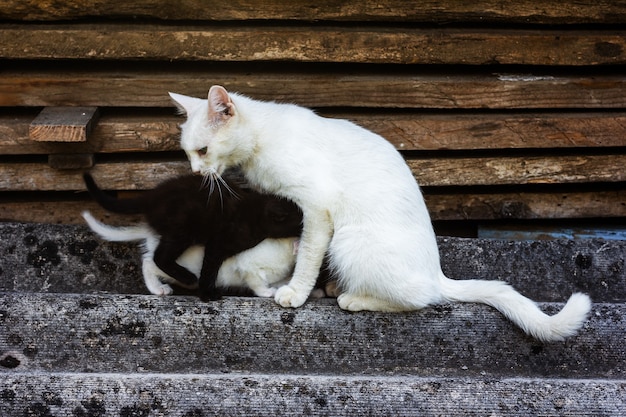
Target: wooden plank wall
column 504, row 110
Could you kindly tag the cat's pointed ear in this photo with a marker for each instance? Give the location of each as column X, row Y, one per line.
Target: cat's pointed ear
column 221, row 107
column 186, row 104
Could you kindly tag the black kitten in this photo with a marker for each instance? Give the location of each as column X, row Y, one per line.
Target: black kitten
column 184, row 213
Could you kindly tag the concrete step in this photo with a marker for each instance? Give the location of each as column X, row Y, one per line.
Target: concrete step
column 204, row 395
column 70, row 259
column 80, row 336
column 115, row 333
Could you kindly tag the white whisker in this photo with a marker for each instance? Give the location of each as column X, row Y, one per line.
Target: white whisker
column 216, row 179
column 205, row 181
column 225, row 184
column 209, row 182
column 212, row 180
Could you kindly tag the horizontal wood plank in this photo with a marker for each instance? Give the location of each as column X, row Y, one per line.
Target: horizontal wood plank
column 435, row 11
column 498, row 131
column 307, row 44
column 60, row 211
column 319, row 89
column 120, row 176
column 543, row 205
column 442, row 207
column 519, row 170
column 428, row 172
column 406, row 131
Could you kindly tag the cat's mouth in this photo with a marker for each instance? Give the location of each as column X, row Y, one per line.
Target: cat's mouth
column 214, row 171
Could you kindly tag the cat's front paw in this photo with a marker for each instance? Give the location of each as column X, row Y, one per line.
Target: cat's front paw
column 288, row 297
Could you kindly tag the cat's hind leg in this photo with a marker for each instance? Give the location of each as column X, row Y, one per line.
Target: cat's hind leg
column 151, row 274
column 257, row 282
column 165, row 257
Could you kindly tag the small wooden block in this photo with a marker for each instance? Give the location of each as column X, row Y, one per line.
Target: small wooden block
column 63, row 124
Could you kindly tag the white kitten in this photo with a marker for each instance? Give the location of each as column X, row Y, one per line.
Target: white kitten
column 260, row 268
column 360, row 202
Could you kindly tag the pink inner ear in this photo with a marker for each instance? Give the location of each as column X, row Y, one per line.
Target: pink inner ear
column 220, row 104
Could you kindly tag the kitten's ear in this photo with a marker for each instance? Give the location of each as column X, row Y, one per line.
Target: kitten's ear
column 221, row 107
column 186, row 104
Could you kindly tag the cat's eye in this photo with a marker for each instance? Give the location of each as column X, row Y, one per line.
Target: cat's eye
column 202, row 151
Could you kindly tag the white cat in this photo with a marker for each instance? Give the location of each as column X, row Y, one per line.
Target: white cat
column 260, row 268
column 361, row 205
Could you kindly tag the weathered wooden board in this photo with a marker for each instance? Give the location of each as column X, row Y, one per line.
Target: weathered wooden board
column 319, row 89
column 112, row 134
column 525, row 205
column 428, row 172
column 127, row 175
column 60, row 211
column 63, row 124
column 441, row 207
column 407, row 131
column 313, row 44
column 435, row 11
column 519, row 170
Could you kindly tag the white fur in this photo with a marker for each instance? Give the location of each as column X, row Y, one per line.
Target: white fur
column 260, row 268
column 360, row 203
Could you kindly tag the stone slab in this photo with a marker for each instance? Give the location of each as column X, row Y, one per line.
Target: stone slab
column 65, row 395
column 65, row 258
column 123, row 333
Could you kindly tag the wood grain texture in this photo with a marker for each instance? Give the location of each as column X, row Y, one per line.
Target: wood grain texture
column 434, row 11
column 313, row 44
column 406, row 131
column 546, row 205
column 428, row 172
column 319, row 89
column 519, row 170
column 63, row 124
column 120, row 176
column 59, row 211
column 442, row 207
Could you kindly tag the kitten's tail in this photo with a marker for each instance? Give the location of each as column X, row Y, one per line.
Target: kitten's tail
column 117, row 234
column 521, row 310
column 113, row 204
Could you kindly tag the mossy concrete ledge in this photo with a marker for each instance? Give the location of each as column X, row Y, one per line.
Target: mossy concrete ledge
column 64, row 258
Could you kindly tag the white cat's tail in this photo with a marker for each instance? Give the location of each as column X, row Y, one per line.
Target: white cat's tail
column 521, row 310
column 117, row 234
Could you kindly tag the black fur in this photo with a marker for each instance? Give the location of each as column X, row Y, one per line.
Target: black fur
column 184, row 213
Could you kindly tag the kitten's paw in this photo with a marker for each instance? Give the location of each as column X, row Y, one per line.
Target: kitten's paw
column 288, row 297
column 317, row 293
column 265, row 292
column 160, row 289
column 332, row 289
